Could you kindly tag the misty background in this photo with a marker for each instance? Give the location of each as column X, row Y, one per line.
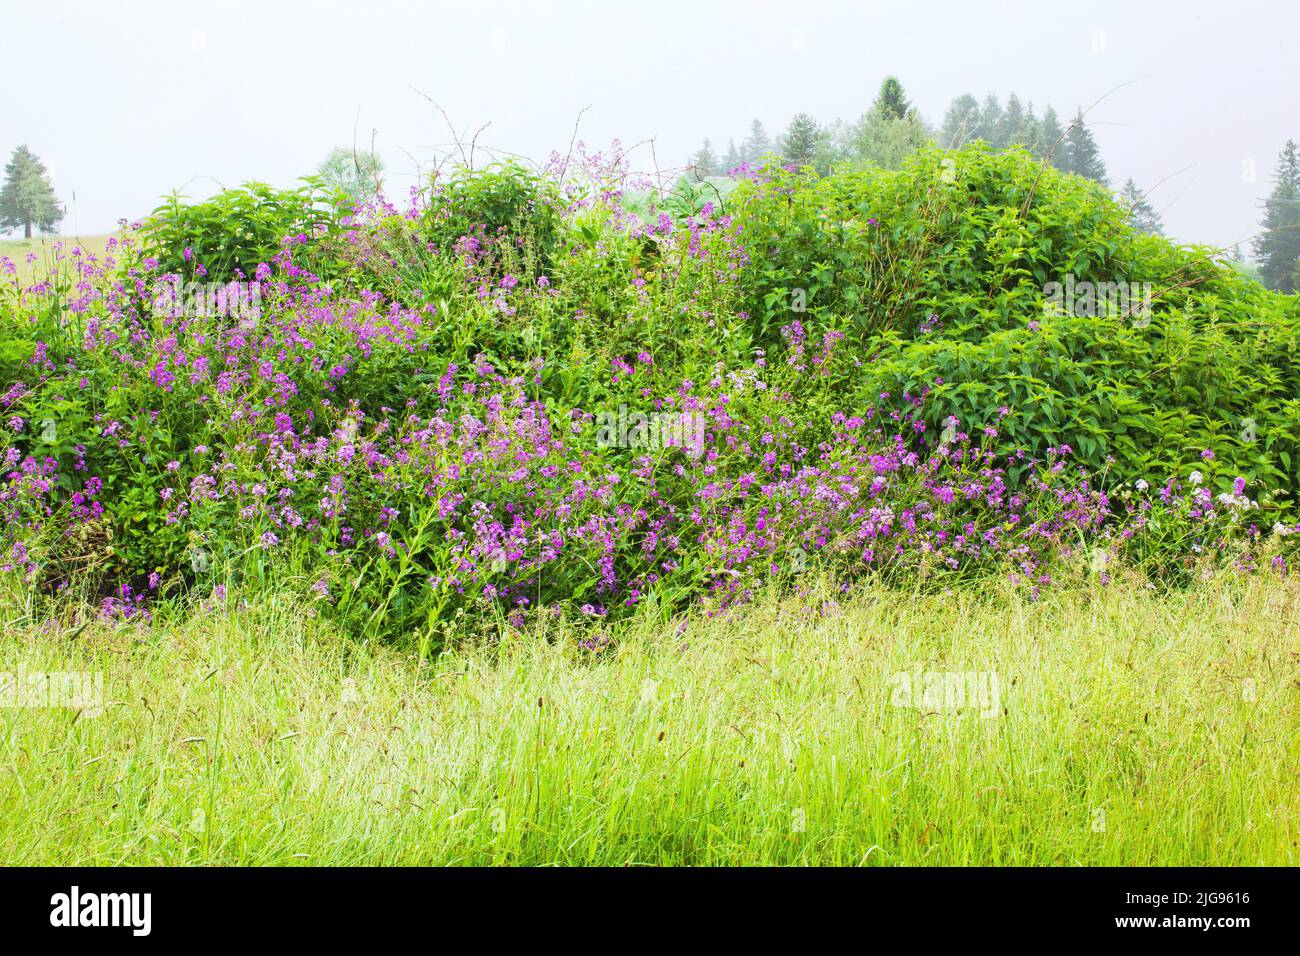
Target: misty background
column 124, row 108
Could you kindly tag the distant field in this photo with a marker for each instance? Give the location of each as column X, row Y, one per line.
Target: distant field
column 43, row 246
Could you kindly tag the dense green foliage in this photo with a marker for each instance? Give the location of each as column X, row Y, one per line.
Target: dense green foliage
column 407, row 425
column 234, row 231
column 503, row 199
column 972, row 239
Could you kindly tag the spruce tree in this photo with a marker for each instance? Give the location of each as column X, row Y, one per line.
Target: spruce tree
column 1011, row 125
column 1142, row 216
column 885, row 140
column 800, row 143
column 732, row 159
column 891, row 101
column 1083, row 157
column 990, row 121
column 27, row 198
column 705, row 161
column 1278, row 247
column 756, row 145
column 1030, row 130
column 1049, row 131
column 961, row 122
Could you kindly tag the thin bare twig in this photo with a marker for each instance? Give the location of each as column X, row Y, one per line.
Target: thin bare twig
column 474, row 142
column 447, row 119
column 1161, row 182
column 572, row 140
column 1024, row 209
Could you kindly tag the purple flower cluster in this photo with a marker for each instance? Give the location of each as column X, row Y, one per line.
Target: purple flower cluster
column 331, row 440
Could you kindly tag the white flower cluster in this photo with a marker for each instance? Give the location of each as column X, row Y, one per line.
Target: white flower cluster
column 1230, row 500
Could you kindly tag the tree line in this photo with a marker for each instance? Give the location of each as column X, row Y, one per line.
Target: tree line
column 892, row 128
column 885, row 135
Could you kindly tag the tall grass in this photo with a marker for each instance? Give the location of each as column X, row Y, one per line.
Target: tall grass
column 47, row 250
column 1132, row 729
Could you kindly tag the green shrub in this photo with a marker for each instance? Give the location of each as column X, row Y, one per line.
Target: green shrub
column 236, row 230
column 503, row 201
column 939, row 273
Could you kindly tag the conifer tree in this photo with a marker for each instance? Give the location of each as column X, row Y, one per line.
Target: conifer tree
column 961, row 122
column 1011, row 125
column 1083, row 157
column 732, row 158
column 1030, row 129
column 990, row 121
column 1278, row 247
column 705, row 161
column 891, row 101
column 757, row 144
column 884, row 136
column 1142, row 216
column 1049, row 131
column 800, row 142
column 27, row 198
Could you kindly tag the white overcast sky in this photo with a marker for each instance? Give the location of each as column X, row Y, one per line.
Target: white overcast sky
column 128, row 100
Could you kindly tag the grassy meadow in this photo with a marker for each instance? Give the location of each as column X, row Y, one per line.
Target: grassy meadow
column 18, row 249
column 1129, row 728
